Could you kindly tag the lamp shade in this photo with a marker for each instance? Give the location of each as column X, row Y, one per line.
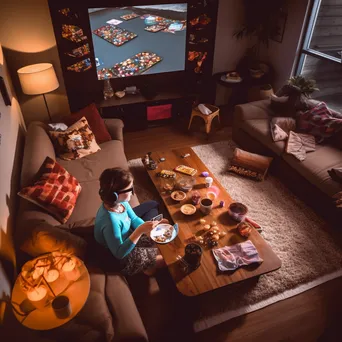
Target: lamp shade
column 38, row 79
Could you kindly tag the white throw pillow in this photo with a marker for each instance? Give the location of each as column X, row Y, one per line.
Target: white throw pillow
column 281, row 127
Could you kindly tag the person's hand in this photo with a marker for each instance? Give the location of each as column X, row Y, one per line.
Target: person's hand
column 147, row 226
column 164, row 220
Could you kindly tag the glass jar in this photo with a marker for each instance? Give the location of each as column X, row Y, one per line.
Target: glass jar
column 186, row 183
column 108, row 91
column 167, row 184
column 195, row 197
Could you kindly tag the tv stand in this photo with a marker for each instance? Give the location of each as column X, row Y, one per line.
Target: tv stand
column 132, row 109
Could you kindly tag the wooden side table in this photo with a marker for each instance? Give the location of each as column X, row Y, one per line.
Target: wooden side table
column 207, row 118
column 76, row 290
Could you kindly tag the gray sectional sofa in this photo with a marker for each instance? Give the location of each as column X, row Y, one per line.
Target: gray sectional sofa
column 308, row 179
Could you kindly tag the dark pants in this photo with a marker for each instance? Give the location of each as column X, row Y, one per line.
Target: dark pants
column 147, row 210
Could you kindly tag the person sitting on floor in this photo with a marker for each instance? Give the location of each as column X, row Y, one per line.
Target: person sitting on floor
column 123, row 230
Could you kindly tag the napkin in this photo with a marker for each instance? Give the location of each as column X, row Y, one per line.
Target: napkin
column 231, row 257
column 203, row 109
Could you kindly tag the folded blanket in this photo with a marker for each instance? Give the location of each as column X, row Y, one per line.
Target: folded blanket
column 231, row 257
column 336, row 174
column 299, row 144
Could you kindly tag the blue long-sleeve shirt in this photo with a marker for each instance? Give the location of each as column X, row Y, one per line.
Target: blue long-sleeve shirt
column 112, row 230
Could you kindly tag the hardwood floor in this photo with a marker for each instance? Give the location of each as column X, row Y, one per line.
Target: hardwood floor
column 315, row 315
column 171, row 136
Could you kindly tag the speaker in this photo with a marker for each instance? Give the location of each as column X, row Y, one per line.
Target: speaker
column 148, row 91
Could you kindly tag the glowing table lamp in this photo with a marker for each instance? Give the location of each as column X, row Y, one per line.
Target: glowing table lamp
column 38, row 79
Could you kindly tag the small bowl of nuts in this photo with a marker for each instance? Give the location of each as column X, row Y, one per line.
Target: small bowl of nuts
column 178, row 195
column 188, row 209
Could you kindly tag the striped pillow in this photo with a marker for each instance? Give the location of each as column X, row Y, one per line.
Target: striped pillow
column 319, row 122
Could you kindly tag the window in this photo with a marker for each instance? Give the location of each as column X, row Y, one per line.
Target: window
column 321, row 51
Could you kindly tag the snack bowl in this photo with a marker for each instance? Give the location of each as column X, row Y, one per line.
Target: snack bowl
column 164, row 233
column 188, row 209
column 178, row 195
column 237, row 211
column 185, row 183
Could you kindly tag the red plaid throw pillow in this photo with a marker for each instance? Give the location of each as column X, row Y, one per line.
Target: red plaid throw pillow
column 319, row 122
column 55, row 190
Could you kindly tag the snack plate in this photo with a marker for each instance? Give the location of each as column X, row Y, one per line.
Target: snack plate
column 161, row 229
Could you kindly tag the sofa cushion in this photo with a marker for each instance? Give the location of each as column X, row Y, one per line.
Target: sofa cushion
column 337, row 140
column 55, row 190
column 260, row 129
column 88, row 170
column 253, row 110
column 90, row 167
column 76, row 142
column 37, row 139
column 316, row 165
column 127, row 324
column 95, row 121
column 40, row 238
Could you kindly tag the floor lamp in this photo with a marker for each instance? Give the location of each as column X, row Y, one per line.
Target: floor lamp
column 38, row 79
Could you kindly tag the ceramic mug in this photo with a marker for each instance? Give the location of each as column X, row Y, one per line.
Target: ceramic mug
column 61, row 306
column 208, row 181
column 206, row 205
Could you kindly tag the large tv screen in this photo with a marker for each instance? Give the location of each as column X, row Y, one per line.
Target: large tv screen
column 138, row 40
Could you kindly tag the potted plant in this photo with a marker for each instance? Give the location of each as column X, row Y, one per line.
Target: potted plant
column 259, row 23
column 299, row 90
column 304, row 85
column 265, row 91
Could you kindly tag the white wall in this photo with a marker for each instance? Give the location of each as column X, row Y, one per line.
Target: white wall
column 12, row 130
column 27, row 36
column 228, row 50
column 283, row 55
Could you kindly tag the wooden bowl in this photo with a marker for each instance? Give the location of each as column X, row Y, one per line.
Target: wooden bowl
column 178, row 195
column 188, row 209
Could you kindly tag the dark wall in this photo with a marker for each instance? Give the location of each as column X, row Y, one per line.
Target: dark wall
column 83, row 88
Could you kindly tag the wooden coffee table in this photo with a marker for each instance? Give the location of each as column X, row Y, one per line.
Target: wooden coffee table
column 207, row 277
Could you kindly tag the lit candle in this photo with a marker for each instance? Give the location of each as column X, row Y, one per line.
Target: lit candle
column 38, row 271
column 70, row 269
column 38, row 296
column 51, row 275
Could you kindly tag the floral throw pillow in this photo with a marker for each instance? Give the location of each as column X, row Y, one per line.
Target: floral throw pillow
column 55, row 190
column 76, row 142
column 319, row 122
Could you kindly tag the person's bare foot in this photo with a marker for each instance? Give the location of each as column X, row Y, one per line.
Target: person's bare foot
column 160, row 263
column 150, row 271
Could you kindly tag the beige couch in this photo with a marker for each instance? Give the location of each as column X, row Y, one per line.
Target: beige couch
column 309, row 179
column 110, row 312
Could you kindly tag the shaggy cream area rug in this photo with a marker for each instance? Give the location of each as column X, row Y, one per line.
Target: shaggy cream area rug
column 309, row 252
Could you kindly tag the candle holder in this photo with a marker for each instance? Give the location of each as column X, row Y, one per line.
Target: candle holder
column 193, row 254
column 70, row 269
column 38, row 296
